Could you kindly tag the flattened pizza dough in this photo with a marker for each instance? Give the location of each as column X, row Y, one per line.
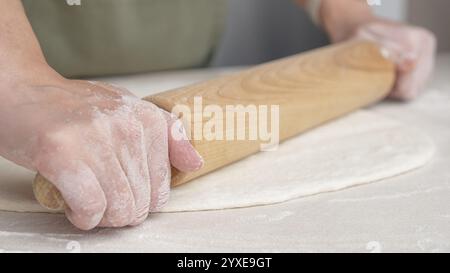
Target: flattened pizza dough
column 357, row 149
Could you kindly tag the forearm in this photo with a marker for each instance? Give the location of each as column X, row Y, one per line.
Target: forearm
column 22, row 65
column 21, row 57
column 340, row 18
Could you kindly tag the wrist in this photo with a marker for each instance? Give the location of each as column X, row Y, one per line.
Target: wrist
column 341, row 18
column 31, row 72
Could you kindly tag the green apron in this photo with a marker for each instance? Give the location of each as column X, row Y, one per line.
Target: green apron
column 105, row 37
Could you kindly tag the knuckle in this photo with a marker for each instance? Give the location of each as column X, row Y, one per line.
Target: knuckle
column 162, row 201
column 119, row 216
column 93, row 207
column 159, row 140
column 426, row 35
column 52, row 143
column 118, row 221
column 162, row 173
column 53, row 146
column 161, row 198
column 129, row 131
column 58, row 140
column 143, row 211
column 157, row 136
column 155, row 118
column 140, row 218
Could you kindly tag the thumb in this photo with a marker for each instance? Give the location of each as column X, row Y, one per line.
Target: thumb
column 182, row 154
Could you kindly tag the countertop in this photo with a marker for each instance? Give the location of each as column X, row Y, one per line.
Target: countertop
column 407, row 213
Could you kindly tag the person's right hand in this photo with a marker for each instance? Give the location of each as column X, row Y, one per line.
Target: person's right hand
column 108, row 152
column 411, row 48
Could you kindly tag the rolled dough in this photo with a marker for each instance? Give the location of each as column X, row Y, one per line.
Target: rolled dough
column 357, row 149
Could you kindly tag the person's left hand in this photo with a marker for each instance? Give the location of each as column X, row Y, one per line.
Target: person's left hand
column 411, row 48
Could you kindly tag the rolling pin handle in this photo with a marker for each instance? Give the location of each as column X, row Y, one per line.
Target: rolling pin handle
column 47, row 194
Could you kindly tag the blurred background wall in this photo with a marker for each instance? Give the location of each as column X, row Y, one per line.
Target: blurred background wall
column 434, row 15
column 261, row 30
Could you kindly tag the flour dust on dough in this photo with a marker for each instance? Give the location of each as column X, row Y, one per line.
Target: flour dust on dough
column 357, row 149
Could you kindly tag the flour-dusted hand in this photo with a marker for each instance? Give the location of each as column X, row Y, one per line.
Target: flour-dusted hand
column 108, row 152
column 411, row 48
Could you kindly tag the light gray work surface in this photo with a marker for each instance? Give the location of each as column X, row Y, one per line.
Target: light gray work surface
column 408, row 213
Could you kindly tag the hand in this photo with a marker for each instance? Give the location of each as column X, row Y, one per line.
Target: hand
column 108, row 152
column 412, row 49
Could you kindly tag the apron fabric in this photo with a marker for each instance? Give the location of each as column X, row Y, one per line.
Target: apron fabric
column 107, row 37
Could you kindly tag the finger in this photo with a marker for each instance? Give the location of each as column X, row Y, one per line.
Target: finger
column 410, row 83
column 405, row 87
column 404, row 58
column 102, row 159
column 396, row 44
column 182, row 154
column 156, row 135
column 132, row 154
column 120, row 210
column 78, row 186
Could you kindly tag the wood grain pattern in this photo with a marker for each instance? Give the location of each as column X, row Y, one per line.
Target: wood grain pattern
column 310, row 89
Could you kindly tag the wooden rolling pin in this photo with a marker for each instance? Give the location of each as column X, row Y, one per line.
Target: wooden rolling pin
column 310, row 89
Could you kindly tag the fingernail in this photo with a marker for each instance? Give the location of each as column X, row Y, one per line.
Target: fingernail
column 178, row 131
